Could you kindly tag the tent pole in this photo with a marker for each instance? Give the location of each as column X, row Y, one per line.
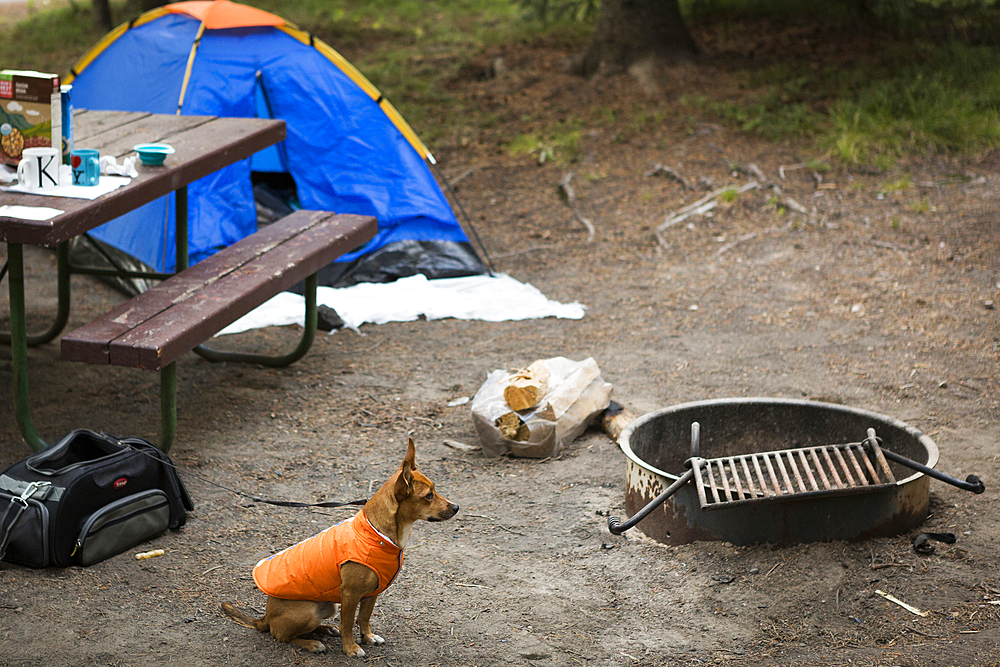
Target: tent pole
column 282, row 151
column 465, row 215
column 190, row 64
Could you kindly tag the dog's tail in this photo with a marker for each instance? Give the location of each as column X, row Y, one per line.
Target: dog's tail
column 241, row 617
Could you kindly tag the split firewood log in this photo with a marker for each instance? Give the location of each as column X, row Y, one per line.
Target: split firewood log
column 526, row 388
column 615, row 418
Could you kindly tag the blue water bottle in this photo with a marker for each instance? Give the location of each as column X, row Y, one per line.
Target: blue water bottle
column 67, row 122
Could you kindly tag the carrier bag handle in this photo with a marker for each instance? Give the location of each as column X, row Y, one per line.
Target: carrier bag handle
column 18, row 504
column 33, row 463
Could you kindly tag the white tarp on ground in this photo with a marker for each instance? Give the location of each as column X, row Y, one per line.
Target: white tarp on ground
column 493, row 299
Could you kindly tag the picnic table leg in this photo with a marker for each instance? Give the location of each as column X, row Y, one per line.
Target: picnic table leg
column 19, row 346
column 168, row 374
column 181, row 229
column 168, row 406
column 62, row 308
column 308, row 335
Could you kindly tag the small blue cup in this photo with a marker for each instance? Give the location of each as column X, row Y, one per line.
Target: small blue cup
column 86, row 165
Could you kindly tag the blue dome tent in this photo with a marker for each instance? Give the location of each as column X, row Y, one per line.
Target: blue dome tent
column 347, row 149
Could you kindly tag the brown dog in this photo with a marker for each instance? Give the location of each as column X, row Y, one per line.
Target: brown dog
column 350, row 564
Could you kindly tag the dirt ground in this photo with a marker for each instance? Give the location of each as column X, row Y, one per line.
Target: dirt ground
column 853, row 292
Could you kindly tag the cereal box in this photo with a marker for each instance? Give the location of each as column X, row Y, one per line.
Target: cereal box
column 30, row 113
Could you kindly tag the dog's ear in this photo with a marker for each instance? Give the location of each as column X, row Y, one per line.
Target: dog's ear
column 404, row 482
column 411, row 455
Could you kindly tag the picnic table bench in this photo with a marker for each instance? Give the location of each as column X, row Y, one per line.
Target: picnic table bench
column 154, row 329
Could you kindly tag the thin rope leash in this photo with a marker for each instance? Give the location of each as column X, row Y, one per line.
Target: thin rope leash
column 256, row 499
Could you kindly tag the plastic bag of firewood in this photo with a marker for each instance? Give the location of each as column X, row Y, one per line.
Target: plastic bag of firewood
column 563, row 398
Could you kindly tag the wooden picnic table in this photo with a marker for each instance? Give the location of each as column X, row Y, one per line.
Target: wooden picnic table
column 203, row 145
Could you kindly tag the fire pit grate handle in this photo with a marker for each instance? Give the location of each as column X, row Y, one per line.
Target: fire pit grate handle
column 971, row 483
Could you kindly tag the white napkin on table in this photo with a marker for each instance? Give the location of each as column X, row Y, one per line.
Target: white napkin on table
column 110, row 166
column 40, row 213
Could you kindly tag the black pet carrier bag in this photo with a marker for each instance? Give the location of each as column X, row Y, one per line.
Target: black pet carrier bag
column 86, row 498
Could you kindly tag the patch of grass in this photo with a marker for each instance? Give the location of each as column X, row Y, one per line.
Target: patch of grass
column 775, row 204
column 912, row 96
column 948, row 104
column 560, row 147
column 819, row 166
column 896, row 185
column 643, row 119
column 768, row 115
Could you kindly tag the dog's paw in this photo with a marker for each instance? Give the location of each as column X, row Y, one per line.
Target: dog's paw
column 328, row 630
column 311, row 645
column 356, row 652
column 373, row 640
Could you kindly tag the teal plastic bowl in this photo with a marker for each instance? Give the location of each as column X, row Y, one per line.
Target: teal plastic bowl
column 153, row 155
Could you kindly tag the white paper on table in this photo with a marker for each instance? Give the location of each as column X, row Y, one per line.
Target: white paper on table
column 40, row 213
column 107, row 184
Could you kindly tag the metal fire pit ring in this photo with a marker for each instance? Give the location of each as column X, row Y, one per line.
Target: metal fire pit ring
column 661, row 441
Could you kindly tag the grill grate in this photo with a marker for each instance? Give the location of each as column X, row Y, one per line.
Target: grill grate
column 791, row 473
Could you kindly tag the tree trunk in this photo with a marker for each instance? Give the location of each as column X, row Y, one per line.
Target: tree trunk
column 102, row 15
column 629, row 31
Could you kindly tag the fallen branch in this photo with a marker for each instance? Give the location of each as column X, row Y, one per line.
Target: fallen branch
column 751, row 170
column 729, row 246
column 567, row 190
column 703, row 205
column 670, row 173
column 795, row 206
column 912, row 610
column 462, row 176
column 782, row 168
column 681, row 217
column 461, row 446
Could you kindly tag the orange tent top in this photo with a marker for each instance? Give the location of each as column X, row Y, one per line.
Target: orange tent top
column 220, row 14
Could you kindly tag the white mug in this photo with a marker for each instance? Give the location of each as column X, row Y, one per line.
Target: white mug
column 38, row 169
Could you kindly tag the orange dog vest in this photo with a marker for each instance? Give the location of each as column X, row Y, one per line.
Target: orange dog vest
column 310, row 570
